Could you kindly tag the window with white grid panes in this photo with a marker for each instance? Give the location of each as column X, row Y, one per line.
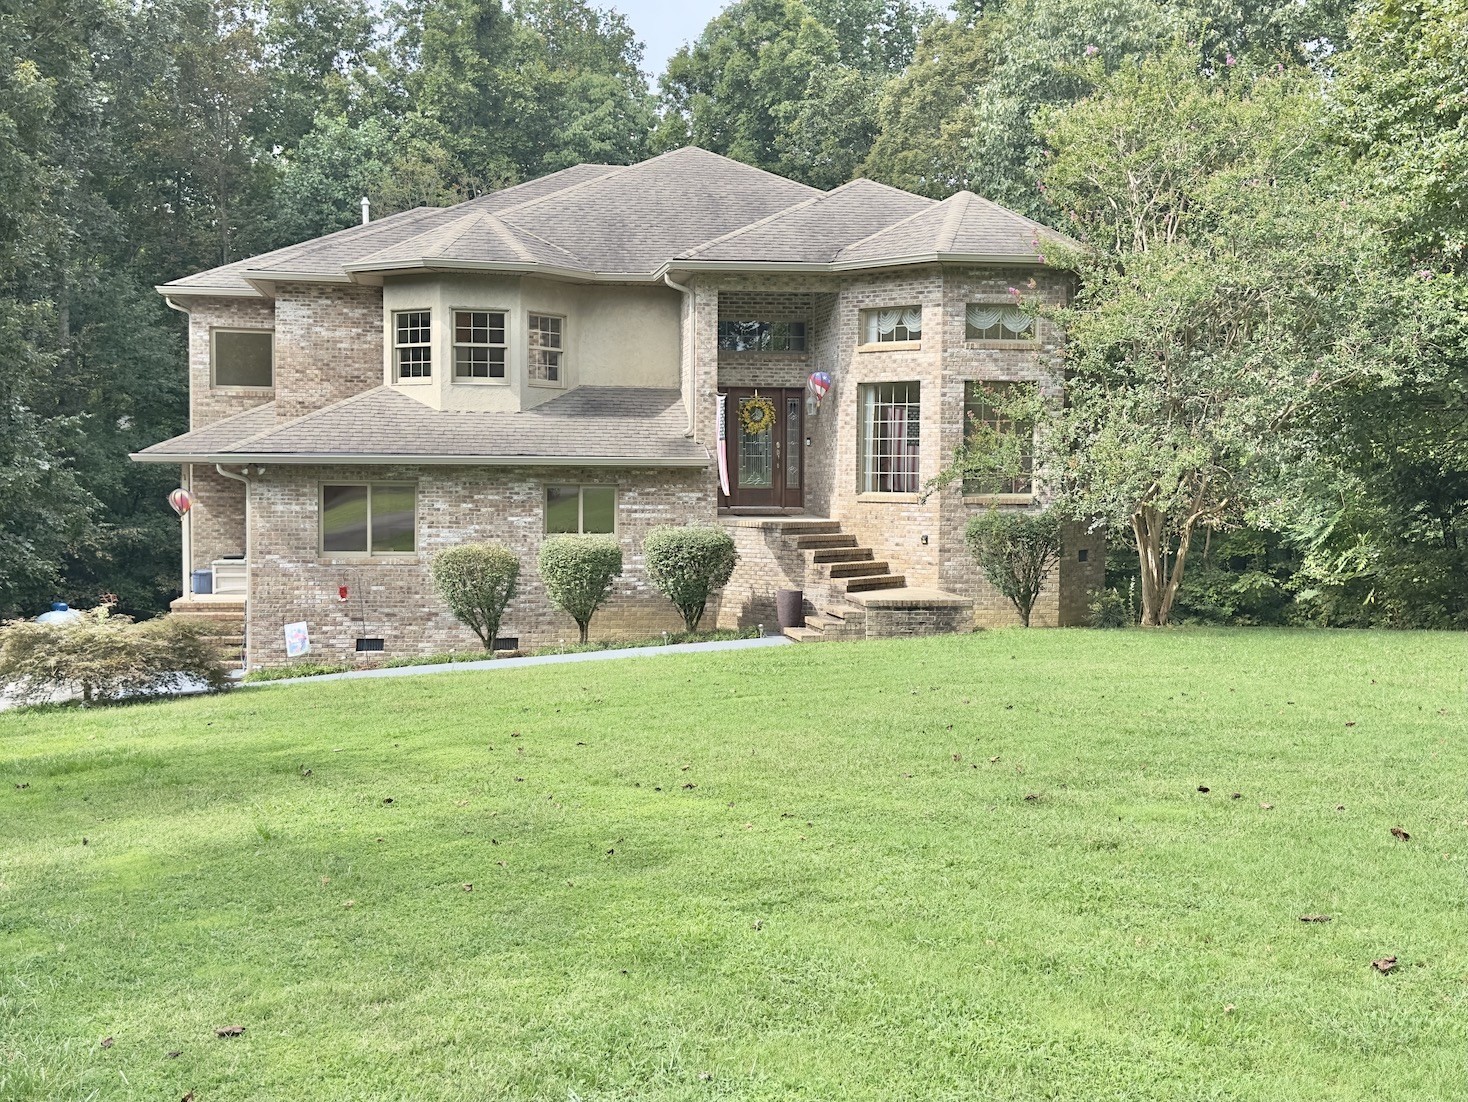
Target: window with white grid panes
column 890, row 421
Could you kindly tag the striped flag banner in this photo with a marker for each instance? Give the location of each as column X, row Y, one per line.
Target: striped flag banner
column 724, row 444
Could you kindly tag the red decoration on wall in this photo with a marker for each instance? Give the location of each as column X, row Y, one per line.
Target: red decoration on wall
column 341, row 593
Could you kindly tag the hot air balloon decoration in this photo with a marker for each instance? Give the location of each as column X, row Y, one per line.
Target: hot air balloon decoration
column 817, row 386
column 181, row 501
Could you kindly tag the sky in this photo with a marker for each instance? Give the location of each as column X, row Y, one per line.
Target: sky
column 665, row 25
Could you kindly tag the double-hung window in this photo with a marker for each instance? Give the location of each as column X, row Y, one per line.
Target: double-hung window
column 997, row 322
column 547, row 364
column 413, row 344
column 982, row 413
column 891, row 326
column 580, row 509
column 762, row 336
column 369, row 518
column 890, row 421
column 479, row 345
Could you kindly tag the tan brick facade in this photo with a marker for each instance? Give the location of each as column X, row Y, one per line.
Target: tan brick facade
column 329, row 345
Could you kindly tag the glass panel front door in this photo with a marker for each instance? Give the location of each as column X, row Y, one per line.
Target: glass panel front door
column 766, row 433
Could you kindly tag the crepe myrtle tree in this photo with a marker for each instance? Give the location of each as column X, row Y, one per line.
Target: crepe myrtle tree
column 578, row 572
column 1016, row 550
column 477, row 582
column 689, row 564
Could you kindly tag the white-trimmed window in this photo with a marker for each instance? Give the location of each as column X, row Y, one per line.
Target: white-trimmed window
column 893, row 325
column 242, row 357
column 369, row 518
column 413, row 344
column 985, row 321
column 580, row 509
column 762, row 336
column 479, row 345
column 547, row 351
column 890, row 421
column 980, row 413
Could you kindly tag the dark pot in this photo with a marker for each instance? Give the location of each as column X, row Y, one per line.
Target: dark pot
column 790, row 607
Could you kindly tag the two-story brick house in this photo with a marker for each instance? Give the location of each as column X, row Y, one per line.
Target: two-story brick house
column 554, row 357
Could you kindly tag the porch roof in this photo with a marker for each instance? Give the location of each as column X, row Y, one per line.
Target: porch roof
column 588, row 426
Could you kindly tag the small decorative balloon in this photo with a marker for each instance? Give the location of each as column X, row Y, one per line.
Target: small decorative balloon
column 181, row 501
column 819, row 383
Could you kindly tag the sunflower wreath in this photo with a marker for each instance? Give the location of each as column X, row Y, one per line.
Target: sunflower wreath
column 757, row 415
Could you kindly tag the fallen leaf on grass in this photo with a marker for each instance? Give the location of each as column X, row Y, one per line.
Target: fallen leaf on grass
column 1340, row 807
column 1267, row 807
column 229, row 1031
column 958, row 757
column 1315, row 918
column 690, row 784
column 1229, row 1008
column 1400, row 834
column 1202, row 788
column 107, row 1042
column 758, row 924
column 468, row 887
column 188, row 1097
column 704, row 1076
column 387, row 799
column 993, row 759
column 26, row 785
column 1236, row 796
column 175, row 1054
column 1384, row 965
column 1032, row 795
column 349, row 903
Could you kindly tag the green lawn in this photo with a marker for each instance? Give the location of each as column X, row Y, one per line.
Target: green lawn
column 975, row 867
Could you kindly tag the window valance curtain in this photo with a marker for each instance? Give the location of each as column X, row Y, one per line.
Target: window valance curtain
column 911, row 317
column 983, row 316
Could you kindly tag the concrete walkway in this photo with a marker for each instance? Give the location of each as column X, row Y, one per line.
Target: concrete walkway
column 537, row 660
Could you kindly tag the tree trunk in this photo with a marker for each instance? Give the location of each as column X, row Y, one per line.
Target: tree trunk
column 585, row 626
column 1160, row 577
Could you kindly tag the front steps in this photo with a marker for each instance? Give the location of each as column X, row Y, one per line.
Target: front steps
column 225, row 618
column 856, row 595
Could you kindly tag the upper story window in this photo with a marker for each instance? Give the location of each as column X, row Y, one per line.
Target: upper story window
column 413, row 344
column 580, row 509
column 894, row 325
column 242, row 357
column 762, row 336
column 981, row 414
column 997, row 322
column 546, row 364
column 369, row 518
column 890, row 420
column 479, row 345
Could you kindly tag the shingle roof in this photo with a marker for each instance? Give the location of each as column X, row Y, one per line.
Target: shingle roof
column 963, row 225
column 814, row 231
column 687, row 208
column 626, row 426
column 216, row 435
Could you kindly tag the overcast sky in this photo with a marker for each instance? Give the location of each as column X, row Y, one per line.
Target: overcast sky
column 664, row 25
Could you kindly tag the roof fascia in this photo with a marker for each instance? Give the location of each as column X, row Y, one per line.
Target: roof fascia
column 171, row 290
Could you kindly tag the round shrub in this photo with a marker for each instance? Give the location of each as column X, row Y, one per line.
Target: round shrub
column 578, row 572
column 688, row 564
column 1016, row 551
column 477, row 582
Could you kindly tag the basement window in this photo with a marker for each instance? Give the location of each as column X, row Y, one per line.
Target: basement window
column 242, row 357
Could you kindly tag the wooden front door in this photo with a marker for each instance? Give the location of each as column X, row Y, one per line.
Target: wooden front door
column 766, row 465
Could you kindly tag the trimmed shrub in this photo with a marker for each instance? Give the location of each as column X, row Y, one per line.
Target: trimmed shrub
column 578, row 572
column 688, row 564
column 1016, row 551
column 107, row 657
column 477, row 582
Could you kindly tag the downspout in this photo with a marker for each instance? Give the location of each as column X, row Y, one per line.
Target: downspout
column 693, row 352
column 187, row 478
column 249, row 559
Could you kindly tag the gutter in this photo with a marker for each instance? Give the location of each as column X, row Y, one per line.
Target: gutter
column 367, row 459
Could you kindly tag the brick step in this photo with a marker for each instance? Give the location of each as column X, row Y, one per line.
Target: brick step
column 841, row 554
column 803, row 635
column 876, row 581
column 831, row 539
column 858, row 569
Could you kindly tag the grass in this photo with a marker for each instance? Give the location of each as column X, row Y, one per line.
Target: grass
column 798, row 873
column 316, row 669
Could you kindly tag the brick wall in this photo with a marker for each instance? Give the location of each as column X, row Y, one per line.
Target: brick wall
column 208, row 403
column 393, row 598
column 217, row 518
column 770, row 369
column 328, row 345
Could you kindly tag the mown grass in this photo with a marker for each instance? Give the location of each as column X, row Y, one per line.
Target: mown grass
column 799, row 873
